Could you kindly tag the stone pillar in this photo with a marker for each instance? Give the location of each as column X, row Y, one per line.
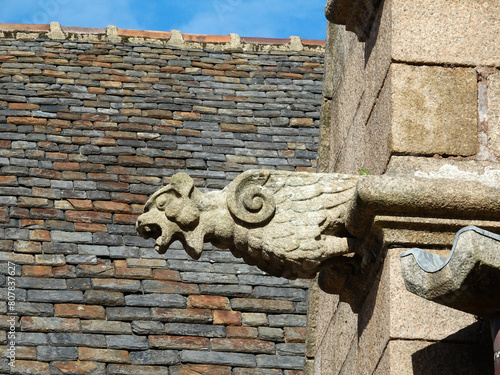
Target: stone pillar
column 413, row 88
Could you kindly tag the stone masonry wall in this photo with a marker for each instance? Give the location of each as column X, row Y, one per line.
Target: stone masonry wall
column 93, row 121
column 418, row 93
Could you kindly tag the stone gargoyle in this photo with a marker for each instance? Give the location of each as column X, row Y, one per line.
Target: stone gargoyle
column 288, row 224
column 295, row 224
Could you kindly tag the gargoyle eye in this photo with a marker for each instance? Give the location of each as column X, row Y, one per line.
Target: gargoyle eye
column 162, row 201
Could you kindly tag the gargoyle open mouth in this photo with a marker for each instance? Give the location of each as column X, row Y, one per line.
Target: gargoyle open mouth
column 148, row 231
column 153, row 230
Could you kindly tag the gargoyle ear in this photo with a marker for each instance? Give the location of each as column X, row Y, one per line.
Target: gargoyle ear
column 182, row 184
column 176, row 200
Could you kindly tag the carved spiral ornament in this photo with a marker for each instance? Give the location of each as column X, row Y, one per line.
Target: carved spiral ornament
column 248, row 200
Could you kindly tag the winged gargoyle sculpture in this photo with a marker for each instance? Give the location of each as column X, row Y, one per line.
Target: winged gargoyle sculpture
column 288, row 224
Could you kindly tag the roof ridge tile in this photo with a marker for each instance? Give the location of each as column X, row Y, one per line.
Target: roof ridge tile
column 141, row 36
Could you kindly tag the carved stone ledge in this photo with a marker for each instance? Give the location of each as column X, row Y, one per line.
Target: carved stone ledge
column 422, row 197
column 357, row 15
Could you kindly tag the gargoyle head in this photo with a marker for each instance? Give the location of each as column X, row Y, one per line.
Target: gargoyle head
column 172, row 214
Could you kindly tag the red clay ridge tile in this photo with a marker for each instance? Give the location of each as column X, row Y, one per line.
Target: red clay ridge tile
column 200, row 38
column 253, row 40
column 83, row 30
column 23, row 27
column 145, row 34
column 206, row 38
column 314, row 42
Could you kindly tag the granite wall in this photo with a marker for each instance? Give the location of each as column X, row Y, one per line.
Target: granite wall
column 410, row 86
column 92, row 121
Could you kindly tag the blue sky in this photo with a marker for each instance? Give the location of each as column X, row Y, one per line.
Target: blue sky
column 256, row 18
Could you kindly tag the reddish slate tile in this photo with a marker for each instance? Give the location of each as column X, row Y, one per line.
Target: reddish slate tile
column 242, row 332
column 23, row 106
column 79, row 311
column 178, row 342
column 29, row 270
column 209, row 302
column 103, row 355
column 49, row 324
column 27, row 121
column 32, row 367
column 226, row 317
column 78, row 367
column 88, row 227
column 23, row 27
column 121, row 270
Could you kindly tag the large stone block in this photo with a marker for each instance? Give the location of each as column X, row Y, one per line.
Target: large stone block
column 49, row 324
column 105, row 326
column 30, row 367
column 493, row 113
column 137, row 370
column 434, row 110
column 346, row 98
column 155, row 357
column 49, row 353
column 130, row 342
column 76, row 339
column 341, row 332
column 367, row 144
column 446, row 32
column 77, row 367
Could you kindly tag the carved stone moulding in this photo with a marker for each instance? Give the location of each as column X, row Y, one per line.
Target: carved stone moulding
column 420, row 197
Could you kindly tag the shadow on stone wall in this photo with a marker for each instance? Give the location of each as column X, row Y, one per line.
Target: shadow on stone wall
column 452, row 356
